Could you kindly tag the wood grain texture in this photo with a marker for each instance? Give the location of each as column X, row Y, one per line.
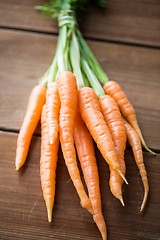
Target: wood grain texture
column 23, row 213
column 127, row 21
column 26, row 56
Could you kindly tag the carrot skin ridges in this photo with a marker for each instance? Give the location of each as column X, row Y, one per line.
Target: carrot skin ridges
column 135, row 143
column 115, row 124
column 85, row 149
column 114, row 90
column 68, row 94
column 93, row 118
column 52, row 111
column 36, row 101
column 48, row 164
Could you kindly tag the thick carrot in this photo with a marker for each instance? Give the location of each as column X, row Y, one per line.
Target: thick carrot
column 68, row 92
column 93, row 118
column 115, row 124
column 135, row 143
column 36, row 101
column 85, row 149
column 52, row 111
column 112, row 88
column 48, row 164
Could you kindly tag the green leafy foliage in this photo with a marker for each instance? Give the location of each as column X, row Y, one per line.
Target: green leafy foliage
column 54, row 7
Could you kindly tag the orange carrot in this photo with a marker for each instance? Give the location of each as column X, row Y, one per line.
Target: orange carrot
column 36, row 101
column 135, row 143
column 48, row 164
column 115, row 124
column 93, row 118
column 67, row 88
column 85, row 149
column 112, row 88
column 52, row 111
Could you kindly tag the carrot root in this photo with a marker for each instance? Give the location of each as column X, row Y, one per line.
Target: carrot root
column 144, row 200
column 87, row 205
column 67, row 88
column 85, row 149
column 135, row 143
column 52, row 111
column 49, row 211
column 36, row 101
column 145, row 146
column 98, row 218
column 93, row 118
column 113, row 89
column 48, row 165
column 121, row 200
column 122, row 176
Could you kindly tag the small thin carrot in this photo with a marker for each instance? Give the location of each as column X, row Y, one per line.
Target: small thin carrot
column 48, row 164
column 135, row 143
column 115, row 124
column 52, row 111
column 85, row 149
column 93, row 118
column 36, row 101
column 112, row 88
column 68, row 92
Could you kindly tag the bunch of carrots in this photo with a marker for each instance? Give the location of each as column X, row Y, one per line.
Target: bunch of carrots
column 74, row 109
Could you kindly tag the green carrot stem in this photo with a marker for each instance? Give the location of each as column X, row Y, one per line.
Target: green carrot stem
column 85, row 80
column 53, row 71
column 92, row 78
column 92, row 61
column 75, row 60
column 66, row 52
column 61, row 47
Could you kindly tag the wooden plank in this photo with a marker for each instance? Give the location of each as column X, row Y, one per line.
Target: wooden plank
column 126, row 21
column 23, row 213
column 25, row 57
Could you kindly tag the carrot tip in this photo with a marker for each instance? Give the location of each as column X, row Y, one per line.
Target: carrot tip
column 49, row 214
column 144, row 201
column 104, row 237
column 17, row 166
column 121, row 200
column 149, row 150
column 145, row 146
column 122, row 176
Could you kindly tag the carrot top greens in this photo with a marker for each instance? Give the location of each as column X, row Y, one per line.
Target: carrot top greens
column 73, row 53
column 54, row 7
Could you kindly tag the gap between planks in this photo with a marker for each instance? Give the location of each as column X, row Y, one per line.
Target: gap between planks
column 16, row 131
column 54, row 33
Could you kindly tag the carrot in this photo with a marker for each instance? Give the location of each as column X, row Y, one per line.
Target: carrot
column 112, row 88
column 85, row 149
column 115, row 124
column 93, row 118
column 67, row 88
column 36, row 101
column 48, row 164
column 52, row 111
column 135, row 143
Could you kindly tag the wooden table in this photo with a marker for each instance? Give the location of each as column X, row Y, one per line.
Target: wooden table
column 126, row 40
